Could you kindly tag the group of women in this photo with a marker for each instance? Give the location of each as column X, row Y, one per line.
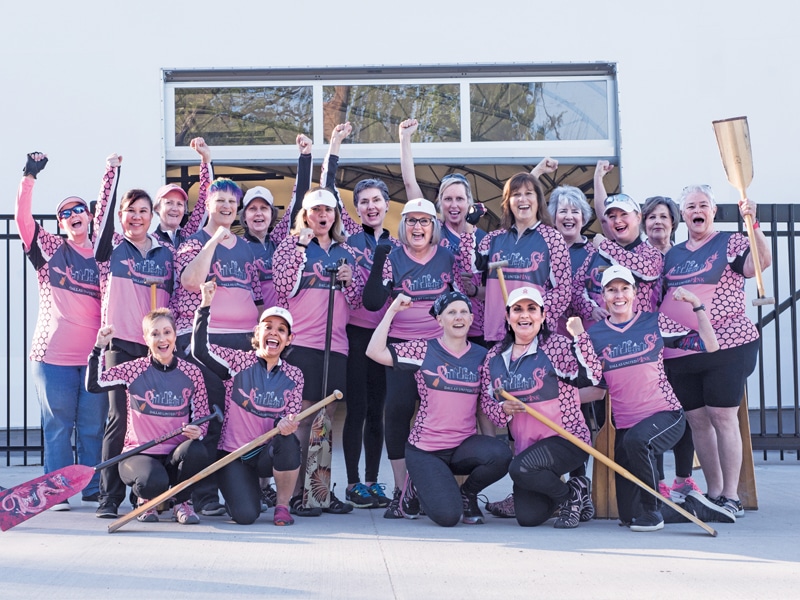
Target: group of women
column 417, row 328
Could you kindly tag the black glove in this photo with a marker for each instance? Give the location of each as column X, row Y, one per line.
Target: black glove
column 33, row 167
column 476, row 211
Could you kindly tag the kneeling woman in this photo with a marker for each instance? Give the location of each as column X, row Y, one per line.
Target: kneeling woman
column 628, row 346
column 164, row 392
column 261, row 392
column 444, row 440
column 540, row 368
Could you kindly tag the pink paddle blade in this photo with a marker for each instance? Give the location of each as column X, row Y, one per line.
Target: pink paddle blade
column 26, row 500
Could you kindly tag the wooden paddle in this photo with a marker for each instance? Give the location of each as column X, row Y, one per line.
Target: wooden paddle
column 214, row 467
column 747, row 475
column 604, row 487
column 501, row 279
column 608, row 462
column 733, row 139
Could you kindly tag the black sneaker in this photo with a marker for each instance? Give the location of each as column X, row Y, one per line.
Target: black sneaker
column 393, row 510
column 472, row 514
column 336, row 506
column 296, row 508
column 213, row 509
column 377, row 491
column 409, row 503
column 107, row 510
column 569, row 513
column 269, row 498
column 649, row 521
column 91, row 500
column 584, row 486
column 706, row 510
column 360, row 497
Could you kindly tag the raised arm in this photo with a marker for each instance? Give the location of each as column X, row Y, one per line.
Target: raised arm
column 303, row 181
column 198, row 216
column 329, row 168
column 196, row 272
column 602, row 168
column 104, row 209
column 407, row 129
column 748, row 207
column 23, row 214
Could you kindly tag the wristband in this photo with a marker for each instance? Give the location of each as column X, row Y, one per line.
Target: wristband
column 299, row 245
column 756, row 225
column 699, row 308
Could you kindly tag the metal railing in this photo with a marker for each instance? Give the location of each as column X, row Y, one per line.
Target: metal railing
column 774, row 388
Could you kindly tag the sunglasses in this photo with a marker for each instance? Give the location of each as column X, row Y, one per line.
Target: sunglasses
column 456, row 176
column 618, row 198
column 75, row 210
column 424, row 221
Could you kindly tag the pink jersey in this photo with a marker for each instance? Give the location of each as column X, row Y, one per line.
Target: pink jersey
column 69, row 282
column 302, row 284
column 160, row 399
column 448, row 385
column 539, row 378
column 713, row 273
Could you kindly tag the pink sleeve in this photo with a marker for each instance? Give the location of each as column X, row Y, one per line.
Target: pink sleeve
column 292, row 260
column 199, row 213
column 23, row 214
column 558, row 298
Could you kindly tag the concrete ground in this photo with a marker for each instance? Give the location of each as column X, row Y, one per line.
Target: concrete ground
column 363, row 555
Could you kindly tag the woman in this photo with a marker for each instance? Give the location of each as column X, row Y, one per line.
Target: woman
column 714, row 265
column 69, row 316
column 536, row 253
column 540, row 368
column 163, row 392
column 444, row 440
column 135, row 269
column 421, row 269
column 628, row 348
column 366, row 380
column 661, row 217
column 314, row 252
column 261, row 392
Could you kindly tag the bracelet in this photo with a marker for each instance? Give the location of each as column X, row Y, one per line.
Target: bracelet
column 699, row 308
column 756, row 225
column 299, row 245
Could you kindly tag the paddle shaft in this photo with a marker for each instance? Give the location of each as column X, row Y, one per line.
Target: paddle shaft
column 216, row 466
column 500, row 277
column 609, row 463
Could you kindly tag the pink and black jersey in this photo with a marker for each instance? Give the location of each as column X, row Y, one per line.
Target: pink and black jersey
column 644, row 261
column 423, row 282
column 714, row 273
column 541, row 378
column 263, row 252
column 126, row 277
column 363, row 244
column 631, row 358
column 238, row 287
column 448, row 386
column 538, row 258
column 452, row 241
column 255, row 397
column 160, row 398
column 69, row 282
column 303, row 284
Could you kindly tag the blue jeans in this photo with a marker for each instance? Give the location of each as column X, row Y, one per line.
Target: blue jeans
column 68, row 408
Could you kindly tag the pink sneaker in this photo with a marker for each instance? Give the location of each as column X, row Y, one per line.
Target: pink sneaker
column 282, row 516
column 663, row 489
column 679, row 491
column 184, row 514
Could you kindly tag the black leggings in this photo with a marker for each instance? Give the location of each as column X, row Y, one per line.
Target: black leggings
column 485, row 459
column 238, row 480
column 401, row 402
column 150, row 475
column 536, row 473
column 363, row 424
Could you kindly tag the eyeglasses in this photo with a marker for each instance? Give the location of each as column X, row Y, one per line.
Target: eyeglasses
column 75, row 210
column 424, row 221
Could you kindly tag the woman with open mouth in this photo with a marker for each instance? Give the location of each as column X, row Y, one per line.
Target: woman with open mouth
column 714, row 265
column 262, row 392
column 68, row 320
column 422, row 269
column 444, row 440
column 313, row 253
column 163, row 392
column 628, row 347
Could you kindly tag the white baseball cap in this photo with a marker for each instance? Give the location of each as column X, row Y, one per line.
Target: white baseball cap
column 621, row 201
column 617, row 272
column 277, row 311
column 258, row 192
column 525, row 293
column 320, row 197
column 420, row 205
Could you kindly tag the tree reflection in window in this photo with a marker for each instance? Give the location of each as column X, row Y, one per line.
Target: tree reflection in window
column 376, row 111
column 532, row 111
column 248, row 116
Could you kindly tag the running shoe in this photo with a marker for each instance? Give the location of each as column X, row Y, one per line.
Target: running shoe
column 107, row 510
column 148, row 516
column 213, row 509
column 60, row 507
column 282, row 516
column 569, row 515
column 679, row 491
column 706, row 510
column 377, row 491
column 503, row 509
column 393, row 511
column 336, row 506
column 184, row 514
column 360, row 497
column 732, row 506
column 269, row 497
column 649, row 521
column 664, row 489
column 472, row 514
column 409, row 503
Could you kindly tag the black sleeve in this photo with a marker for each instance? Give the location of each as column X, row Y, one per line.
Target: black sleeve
column 93, row 384
column 199, row 344
column 303, row 178
column 375, row 293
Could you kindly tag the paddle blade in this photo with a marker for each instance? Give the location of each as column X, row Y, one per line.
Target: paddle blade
column 733, row 139
column 26, row 500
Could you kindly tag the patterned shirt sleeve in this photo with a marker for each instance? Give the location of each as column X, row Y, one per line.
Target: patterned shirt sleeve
column 644, row 261
column 199, row 213
column 200, row 399
column 491, row 406
column 679, row 336
column 558, row 298
column 292, row 262
column 353, row 293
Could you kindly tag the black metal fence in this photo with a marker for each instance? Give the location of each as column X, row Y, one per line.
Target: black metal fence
column 774, row 389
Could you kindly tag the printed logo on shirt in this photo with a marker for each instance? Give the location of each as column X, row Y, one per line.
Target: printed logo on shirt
column 520, row 266
column 161, row 404
column 145, row 271
column 260, row 403
column 426, row 285
column 630, row 352
column 448, row 378
column 231, row 274
column 81, row 276
column 693, row 272
column 264, row 268
column 538, row 386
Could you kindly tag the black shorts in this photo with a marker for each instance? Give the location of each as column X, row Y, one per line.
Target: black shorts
column 310, row 362
column 714, row 379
